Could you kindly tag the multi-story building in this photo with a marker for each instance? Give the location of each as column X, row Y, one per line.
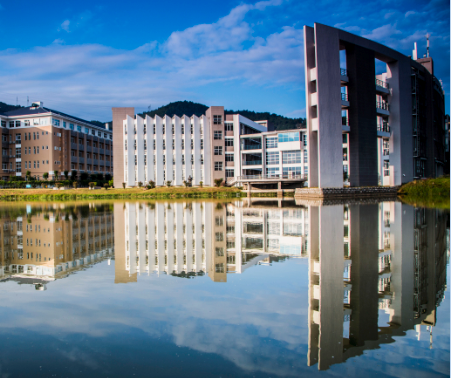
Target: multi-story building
column 213, row 146
column 50, row 243
column 374, row 115
column 191, row 239
column 42, row 140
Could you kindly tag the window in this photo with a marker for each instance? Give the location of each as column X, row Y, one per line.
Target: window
column 55, row 122
column 201, row 144
column 230, row 172
column 305, row 139
column 219, row 236
column 79, row 128
column 217, row 135
column 3, row 123
column 218, row 150
column 17, row 123
column 219, row 251
column 345, row 138
column 183, row 129
column 217, row 119
column 345, row 154
column 289, row 137
column 272, row 172
column 219, row 221
column 228, row 126
column 229, row 142
column 305, row 157
column 271, row 142
column 386, row 168
column 291, row 171
column 272, row 158
column 228, row 157
column 291, row 157
column 218, row 165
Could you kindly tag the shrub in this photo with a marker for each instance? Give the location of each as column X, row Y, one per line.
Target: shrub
column 58, row 185
column 92, row 185
column 123, row 185
column 105, row 186
column 73, row 175
column 55, row 175
column 201, row 184
column 168, row 183
column 140, row 184
column 66, row 175
column 75, row 184
column 45, row 176
column 218, row 182
column 151, row 184
column 111, row 183
column 185, row 183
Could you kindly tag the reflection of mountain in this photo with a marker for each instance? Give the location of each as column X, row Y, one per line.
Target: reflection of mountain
column 40, row 245
column 189, row 239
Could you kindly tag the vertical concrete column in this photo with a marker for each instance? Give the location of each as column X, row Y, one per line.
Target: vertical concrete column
column 364, row 277
column 400, row 119
column 331, row 264
column 170, row 236
column 159, row 150
column 119, row 115
column 168, row 152
column 130, row 153
column 160, row 221
column 188, row 151
column 150, row 150
column 179, row 227
column 151, row 235
column 178, row 151
column 142, row 237
column 207, row 151
column 328, row 110
column 140, row 148
column 196, row 150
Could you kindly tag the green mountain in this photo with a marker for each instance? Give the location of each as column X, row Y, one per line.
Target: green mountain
column 6, row 108
column 189, row 108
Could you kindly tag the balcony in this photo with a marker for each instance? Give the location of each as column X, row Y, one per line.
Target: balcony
column 344, row 100
column 383, row 130
column 344, row 75
column 382, row 87
column 382, row 108
column 252, row 147
column 345, row 125
column 252, row 162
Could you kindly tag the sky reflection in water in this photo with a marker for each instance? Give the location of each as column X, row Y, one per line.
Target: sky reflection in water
column 271, row 291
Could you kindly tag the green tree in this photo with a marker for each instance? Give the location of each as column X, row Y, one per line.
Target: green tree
column 45, row 176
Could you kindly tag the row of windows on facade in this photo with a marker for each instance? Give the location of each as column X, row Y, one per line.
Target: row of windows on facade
column 164, row 129
column 164, row 160
column 88, row 143
column 93, row 168
column 286, row 171
column 164, row 144
column 55, row 122
column 18, row 165
column 288, row 157
column 88, row 155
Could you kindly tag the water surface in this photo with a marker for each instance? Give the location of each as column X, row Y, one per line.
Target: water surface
column 209, row 289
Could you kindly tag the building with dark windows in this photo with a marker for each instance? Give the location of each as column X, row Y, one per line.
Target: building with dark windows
column 390, row 108
column 42, row 140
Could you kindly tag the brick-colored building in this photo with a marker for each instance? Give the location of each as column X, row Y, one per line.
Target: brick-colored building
column 40, row 140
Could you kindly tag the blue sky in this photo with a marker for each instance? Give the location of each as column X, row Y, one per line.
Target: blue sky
column 85, row 57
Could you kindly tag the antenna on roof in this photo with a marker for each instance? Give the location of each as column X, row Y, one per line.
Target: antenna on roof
column 149, row 108
column 17, row 101
column 28, row 101
column 427, row 48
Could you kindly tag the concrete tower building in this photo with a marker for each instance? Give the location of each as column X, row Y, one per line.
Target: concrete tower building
column 374, row 115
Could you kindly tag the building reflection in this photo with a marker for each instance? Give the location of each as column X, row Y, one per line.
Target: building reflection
column 387, row 257
column 42, row 244
column 187, row 239
column 376, row 270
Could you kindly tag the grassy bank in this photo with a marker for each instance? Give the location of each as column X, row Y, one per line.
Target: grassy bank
column 426, row 193
column 133, row 193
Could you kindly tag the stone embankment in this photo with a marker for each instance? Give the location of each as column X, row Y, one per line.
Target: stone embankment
column 351, row 192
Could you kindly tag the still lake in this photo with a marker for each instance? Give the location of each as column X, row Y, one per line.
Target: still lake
column 270, row 288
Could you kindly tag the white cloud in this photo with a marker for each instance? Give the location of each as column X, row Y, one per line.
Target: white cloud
column 83, row 75
column 65, row 25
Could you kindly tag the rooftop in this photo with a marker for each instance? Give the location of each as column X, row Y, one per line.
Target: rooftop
column 31, row 111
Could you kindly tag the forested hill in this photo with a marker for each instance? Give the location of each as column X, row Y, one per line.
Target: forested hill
column 189, row 108
column 6, row 108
